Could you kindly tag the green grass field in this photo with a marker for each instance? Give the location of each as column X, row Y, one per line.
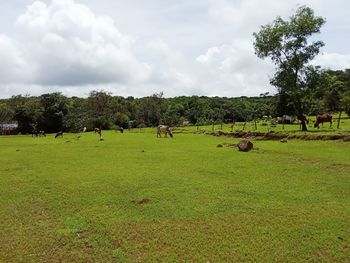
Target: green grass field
column 136, row 198
column 265, row 126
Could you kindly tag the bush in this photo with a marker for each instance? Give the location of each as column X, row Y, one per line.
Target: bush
column 102, row 122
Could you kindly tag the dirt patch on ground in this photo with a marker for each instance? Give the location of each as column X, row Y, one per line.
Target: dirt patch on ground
column 82, row 234
column 142, row 202
column 282, row 136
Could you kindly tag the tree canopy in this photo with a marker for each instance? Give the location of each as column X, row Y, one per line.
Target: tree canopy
column 286, row 44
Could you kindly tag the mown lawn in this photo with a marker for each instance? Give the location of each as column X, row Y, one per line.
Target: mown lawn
column 136, row 198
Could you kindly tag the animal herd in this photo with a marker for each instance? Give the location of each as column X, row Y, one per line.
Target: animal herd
column 167, row 130
column 161, row 129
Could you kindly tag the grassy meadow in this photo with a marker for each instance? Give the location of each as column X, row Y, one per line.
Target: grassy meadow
column 265, row 126
column 136, row 198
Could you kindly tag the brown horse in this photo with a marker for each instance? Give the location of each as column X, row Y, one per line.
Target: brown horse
column 323, row 118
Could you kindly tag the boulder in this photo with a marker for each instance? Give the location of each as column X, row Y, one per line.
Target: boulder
column 245, row 146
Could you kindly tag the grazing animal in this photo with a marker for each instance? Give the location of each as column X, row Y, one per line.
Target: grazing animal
column 121, row 129
column 99, row 131
column 164, row 129
column 267, row 117
column 35, row 133
column 323, row 118
column 286, row 119
column 60, row 133
column 38, row 133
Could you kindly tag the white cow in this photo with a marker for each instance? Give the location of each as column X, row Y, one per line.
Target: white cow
column 164, row 129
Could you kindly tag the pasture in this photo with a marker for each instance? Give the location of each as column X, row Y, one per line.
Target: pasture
column 265, row 126
column 136, row 198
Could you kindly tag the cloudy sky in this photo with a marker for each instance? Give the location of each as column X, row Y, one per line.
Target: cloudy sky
column 139, row 47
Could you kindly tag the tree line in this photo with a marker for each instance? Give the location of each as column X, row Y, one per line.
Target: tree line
column 329, row 91
column 302, row 89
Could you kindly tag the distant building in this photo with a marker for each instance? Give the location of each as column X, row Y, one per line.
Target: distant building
column 7, row 128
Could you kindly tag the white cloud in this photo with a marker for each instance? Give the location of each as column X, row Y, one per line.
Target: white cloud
column 248, row 13
column 333, row 61
column 183, row 47
column 234, row 70
column 67, row 44
column 13, row 66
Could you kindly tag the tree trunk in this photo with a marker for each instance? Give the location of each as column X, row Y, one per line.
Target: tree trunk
column 303, row 123
column 339, row 119
column 255, row 124
column 244, row 124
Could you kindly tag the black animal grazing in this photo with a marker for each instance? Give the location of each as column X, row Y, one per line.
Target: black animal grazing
column 42, row 133
column 323, row 118
column 60, row 133
column 38, row 133
column 35, row 133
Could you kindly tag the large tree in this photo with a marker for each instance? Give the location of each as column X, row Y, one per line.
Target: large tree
column 55, row 109
column 286, row 44
column 6, row 113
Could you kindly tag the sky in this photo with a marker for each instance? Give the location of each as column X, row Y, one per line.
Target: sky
column 140, row 47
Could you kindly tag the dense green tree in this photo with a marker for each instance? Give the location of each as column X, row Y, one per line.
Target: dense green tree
column 151, row 109
column 54, row 110
column 6, row 113
column 28, row 112
column 78, row 115
column 100, row 109
column 121, row 119
column 286, row 44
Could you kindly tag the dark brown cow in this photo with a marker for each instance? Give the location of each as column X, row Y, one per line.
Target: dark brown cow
column 323, row 118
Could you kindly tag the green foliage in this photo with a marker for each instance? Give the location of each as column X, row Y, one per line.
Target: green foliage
column 121, row 119
column 345, row 101
column 28, row 112
column 55, row 108
column 326, row 91
column 78, row 116
column 286, row 44
column 6, row 113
